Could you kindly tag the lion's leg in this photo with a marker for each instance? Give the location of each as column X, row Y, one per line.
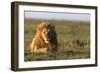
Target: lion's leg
column 32, row 45
column 40, row 50
column 35, row 48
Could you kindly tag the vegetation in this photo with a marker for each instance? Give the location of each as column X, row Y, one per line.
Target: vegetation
column 73, row 40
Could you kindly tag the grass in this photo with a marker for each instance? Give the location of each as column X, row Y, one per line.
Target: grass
column 73, row 40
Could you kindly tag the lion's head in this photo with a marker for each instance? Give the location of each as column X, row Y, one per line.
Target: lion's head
column 46, row 31
column 45, row 37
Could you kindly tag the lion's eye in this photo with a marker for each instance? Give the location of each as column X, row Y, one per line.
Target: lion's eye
column 43, row 31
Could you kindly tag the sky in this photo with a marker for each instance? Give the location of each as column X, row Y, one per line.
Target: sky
column 57, row 16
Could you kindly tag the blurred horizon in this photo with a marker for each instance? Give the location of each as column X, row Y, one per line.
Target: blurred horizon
column 57, row 16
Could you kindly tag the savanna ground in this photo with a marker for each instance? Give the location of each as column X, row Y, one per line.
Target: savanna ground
column 73, row 40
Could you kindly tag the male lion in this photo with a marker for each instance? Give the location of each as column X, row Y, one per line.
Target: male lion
column 45, row 39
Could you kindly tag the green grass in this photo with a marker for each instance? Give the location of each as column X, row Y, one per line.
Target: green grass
column 73, row 40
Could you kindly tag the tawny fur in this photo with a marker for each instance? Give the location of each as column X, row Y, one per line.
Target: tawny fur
column 39, row 44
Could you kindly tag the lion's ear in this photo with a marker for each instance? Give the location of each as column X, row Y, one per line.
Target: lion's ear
column 52, row 27
column 38, row 28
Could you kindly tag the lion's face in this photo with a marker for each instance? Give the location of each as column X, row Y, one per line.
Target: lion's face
column 45, row 30
column 45, row 35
